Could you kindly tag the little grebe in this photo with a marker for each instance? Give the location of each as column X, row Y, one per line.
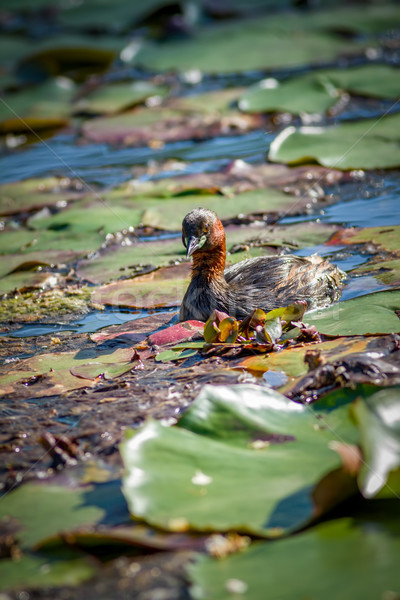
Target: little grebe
column 266, row 282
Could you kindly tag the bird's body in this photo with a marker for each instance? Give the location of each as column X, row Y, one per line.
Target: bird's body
column 266, row 282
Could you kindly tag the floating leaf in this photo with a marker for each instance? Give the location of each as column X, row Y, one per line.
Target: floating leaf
column 311, row 93
column 32, row 194
column 373, row 313
column 291, row 360
column 346, row 548
column 317, row 92
column 163, row 288
column 115, row 97
column 378, row 417
column 244, row 443
column 255, row 43
column 50, row 102
column 186, row 330
column 61, row 567
column 366, row 144
column 171, row 355
column 58, row 369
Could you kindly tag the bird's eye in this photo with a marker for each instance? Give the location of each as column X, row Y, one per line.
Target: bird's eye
column 206, row 228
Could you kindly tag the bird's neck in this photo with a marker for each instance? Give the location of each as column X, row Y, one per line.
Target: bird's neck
column 210, row 264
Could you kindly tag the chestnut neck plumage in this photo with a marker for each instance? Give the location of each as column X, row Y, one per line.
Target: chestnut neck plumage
column 210, row 264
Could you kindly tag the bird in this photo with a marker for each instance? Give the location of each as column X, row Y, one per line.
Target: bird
column 266, row 282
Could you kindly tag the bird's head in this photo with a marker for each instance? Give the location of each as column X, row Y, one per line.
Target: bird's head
column 202, row 230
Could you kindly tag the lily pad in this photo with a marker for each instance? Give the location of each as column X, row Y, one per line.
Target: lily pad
column 113, row 98
column 378, row 417
column 113, row 215
column 48, row 102
column 163, row 288
column 245, row 443
column 373, row 313
column 40, row 570
column 32, row 194
column 254, row 44
column 384, row 238
column 181, row 119
column 113, row 16
column 26, row 241
column 311, row 93
column 57, row 371
column 366, row 144
column 317, row 92
column 345, row 550
column 291, row 360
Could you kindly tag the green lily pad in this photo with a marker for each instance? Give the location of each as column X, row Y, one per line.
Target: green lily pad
column 33, row 194
column 112, row 215
column 115, row 16
column 50, row 100
column 311, row 93
column 254, row 44
column 26, row 241
column 378, row 418
column 56, row 371
column 374, row 80
column 113, row 98
column 89, row 216
column 291, row 360
column 73, row 55
column 317, row 92
column 386, row 271
column 40, row 570
column 31, row 280
column 359, row 554
column 367, row 144
column 35, row 260
column 163, row 288
column 251, row 445
column 384, row 238
column 373, row 313
column 172, row 355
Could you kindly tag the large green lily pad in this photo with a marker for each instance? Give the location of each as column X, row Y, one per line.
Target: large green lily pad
column 113, row 16
column 48, row 101
column 384, row 238
column 116, row 97
column 291, row 360
column 367, row 144
column 246, row 443
column 319, row 91
column 373, row 313
column 163, row 288
column 357, row 555
column 311, row 93
column 112, row 214
column 26, row 241
column 64, row 371
column 32, row 194
column 254, row 44
column 378, row 418
column 40, row 570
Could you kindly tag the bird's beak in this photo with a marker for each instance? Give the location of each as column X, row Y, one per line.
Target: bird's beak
column 192, row 245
